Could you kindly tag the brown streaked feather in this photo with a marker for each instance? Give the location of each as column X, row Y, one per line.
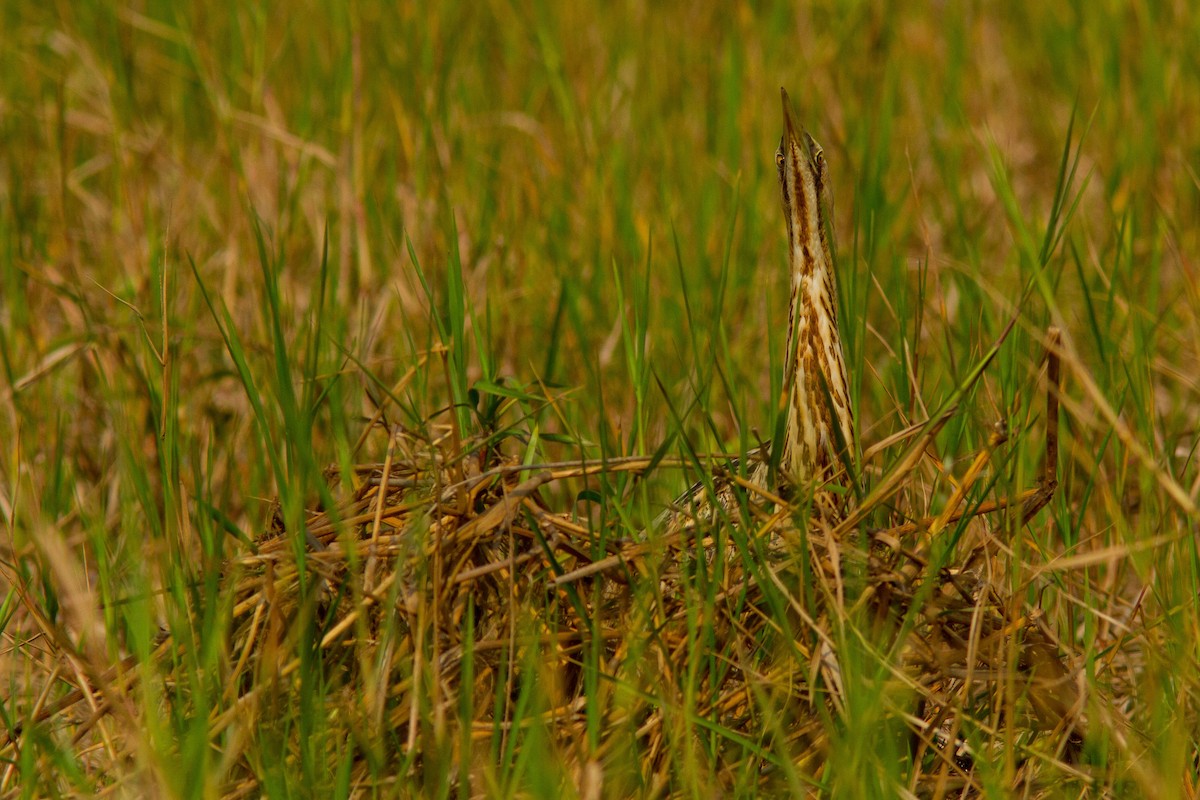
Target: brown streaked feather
column 817, row 390
column 815, row 377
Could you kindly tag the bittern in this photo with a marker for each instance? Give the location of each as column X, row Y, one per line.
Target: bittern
column 819, row 434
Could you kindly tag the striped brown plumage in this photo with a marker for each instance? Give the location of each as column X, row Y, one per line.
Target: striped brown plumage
column 819, row 435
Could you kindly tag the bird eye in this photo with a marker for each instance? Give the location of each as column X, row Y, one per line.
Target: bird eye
column 814, row 150
column 779, row 159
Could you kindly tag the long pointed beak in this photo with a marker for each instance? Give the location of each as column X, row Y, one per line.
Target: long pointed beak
column 789, row 124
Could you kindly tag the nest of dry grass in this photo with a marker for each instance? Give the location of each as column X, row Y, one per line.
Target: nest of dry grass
column 453, row 613
column 447, row 586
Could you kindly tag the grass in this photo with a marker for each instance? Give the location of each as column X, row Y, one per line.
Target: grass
column 235, row 242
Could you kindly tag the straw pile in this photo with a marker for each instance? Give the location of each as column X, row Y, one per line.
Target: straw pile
column 446, row 586
column 451, row 610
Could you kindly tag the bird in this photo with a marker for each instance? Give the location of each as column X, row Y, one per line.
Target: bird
column 819, row 436
column 819, row 433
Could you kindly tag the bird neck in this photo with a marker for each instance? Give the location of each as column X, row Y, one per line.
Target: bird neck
column 819, row 422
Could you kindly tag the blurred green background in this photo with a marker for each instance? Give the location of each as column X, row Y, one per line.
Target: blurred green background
column 565, row 148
